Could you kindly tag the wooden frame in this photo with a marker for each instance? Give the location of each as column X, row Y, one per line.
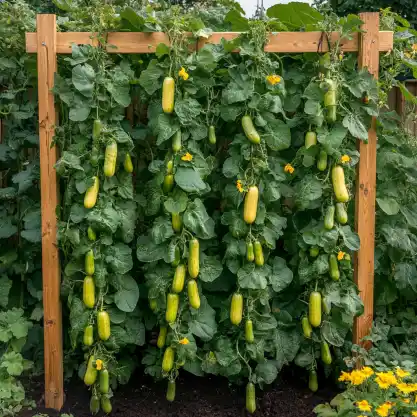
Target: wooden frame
column 47, row 43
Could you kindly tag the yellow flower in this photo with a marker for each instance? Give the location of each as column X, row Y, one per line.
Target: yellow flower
column 383, row 410
column 414, row 413
column 183, row 74
column 187, row 157
column 415, row 47
column 273, row 79
column 407, row 401
column 357, row 377
column 99, row 364
column 401, row 373
column 184, row 341
column 407, row 55
column 406, row 388
column 385, row 379
column 367, row 371
column 289, row 168
column 239, row 186
column 340, row 255
column 364, row 405
column 345, row 159
column 344, row 377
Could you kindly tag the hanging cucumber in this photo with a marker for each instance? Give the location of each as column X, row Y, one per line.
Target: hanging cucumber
column 314, row 309
column 89, row 291
column 176, row 221
column 249, row 336
column 103, row 325
column 250, row 130
column 310, row 139
column 326, row 356
column 110, row 159
column 194, row 258
column 322, row 161
column 333, row 267
column 312, row 381
column 127, row 164
column 236, row 309
column 259, row 254
column 168, row 359
column 91, row 234
column 250, row 398
column 89, row 262
column 88, row 338
column 168, row 95
column 176, row 141
column 339, row 185
column 307, row 330
column 162, row 337
column 172, row 307
column 168, row 184
column 193, row 295
column 170, row 391
column 250, row 254
column 90, row 375
column 341, row 213
column 314, row 251
column 329, row 218
column 179, row 278
column 91, row 194
column 97, row 127
column 251, row 204
column 212, row 135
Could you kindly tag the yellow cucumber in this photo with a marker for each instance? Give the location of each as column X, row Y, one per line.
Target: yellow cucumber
column 168, row 359
column 259, row 254
column 194, row 258
column 193, row 295
column 250, row 131
column 251, row 204
column 103, row 325
column 236, row 309
column 110, row 159
column 168, row 95
column 314, row 309
column 339, row 185
column 91, row 194
column 162, row 337
column 179, row 279
column 89, row 291
column 127, row 164
column 172, row 308
column 89, row 262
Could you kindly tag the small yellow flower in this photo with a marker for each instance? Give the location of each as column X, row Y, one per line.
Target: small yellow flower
column 273, row 79
column 414, row 47
column 414, row 413
column 383, row 410
column 99, row 364
column 401, row 373
column 367, row 371
column 239, row 186
column 289, row 168
column 357, row 377
column 187, row 157
column 345, row 159
column 364, row 405
column 407, row 388
column 407, row 401
column 340, row 255
column 385, row 379
column 344, row 377
column 184, row 341
column 341, row 56
column 183, row 74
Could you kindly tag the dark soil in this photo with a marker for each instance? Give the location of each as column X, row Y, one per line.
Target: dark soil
column 202, row 397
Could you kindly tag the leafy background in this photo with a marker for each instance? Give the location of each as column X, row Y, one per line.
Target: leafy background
column 136, row 243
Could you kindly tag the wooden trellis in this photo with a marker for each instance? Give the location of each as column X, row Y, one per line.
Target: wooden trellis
column 47, row 43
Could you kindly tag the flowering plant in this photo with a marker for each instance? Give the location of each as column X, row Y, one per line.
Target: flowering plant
column 374, row 394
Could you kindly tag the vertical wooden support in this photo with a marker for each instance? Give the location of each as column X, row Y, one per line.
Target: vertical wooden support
column 366, row 187
column 47, row 63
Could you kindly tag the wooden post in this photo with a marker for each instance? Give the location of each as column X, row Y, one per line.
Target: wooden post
column 47, row 63
column 366, row 187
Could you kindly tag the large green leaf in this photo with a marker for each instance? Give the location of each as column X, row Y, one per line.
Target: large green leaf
column 295, row 15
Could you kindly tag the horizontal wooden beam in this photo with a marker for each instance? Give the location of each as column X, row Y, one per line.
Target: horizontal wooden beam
column 144, row 42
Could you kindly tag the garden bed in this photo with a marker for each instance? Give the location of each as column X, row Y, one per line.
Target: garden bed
column 212, row 396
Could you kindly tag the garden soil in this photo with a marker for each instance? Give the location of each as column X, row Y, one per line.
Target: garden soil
column 196, row 397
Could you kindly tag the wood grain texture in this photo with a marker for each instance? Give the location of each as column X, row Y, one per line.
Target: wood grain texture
column 138, row 42
column 47, row 62
column 366, row 188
